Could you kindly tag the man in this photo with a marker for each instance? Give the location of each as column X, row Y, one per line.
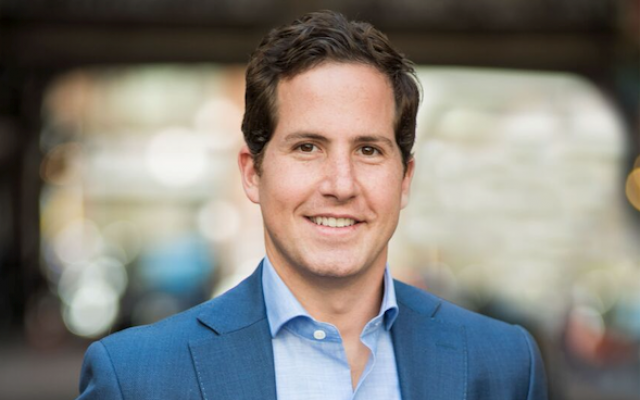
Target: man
column 329, row 126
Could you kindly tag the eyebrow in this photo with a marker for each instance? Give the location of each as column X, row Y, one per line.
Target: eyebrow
column 358, row 139
column 374, row 139
column 309, row 136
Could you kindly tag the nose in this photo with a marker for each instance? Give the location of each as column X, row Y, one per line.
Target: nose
column 340, row 181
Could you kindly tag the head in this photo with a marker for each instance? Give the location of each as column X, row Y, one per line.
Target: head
column 329, row 125
column 318, row 38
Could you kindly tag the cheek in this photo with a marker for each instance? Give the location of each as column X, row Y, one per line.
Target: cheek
column 385, row 186
column 284, row 185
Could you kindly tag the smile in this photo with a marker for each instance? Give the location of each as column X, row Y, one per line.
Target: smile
column 333, row 222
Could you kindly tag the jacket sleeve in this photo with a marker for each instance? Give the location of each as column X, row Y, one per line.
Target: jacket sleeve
column 537, row 378
column 98, row 380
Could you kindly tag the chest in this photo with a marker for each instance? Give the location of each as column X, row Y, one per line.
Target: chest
column 320, row 369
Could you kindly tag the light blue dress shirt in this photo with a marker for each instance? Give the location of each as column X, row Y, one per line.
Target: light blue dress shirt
column 310, row 360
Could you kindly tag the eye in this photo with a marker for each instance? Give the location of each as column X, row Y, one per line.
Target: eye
column 307, row 147
column 369, row 151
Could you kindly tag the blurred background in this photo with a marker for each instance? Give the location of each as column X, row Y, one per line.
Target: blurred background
column 121, row 203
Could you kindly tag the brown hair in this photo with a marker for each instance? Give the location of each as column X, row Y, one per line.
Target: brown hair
column 315, row 38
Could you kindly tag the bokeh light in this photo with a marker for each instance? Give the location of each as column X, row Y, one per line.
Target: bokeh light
column 176, row 157
column 61, row 165
column 124, row 235
column 219, row 120
column 219, row 221
column 92, row 309
column 632, row 188
column 77, row 242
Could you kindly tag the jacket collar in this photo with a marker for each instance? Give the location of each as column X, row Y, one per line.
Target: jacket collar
column 236, row 362
column 431, row 354
column 238, row 308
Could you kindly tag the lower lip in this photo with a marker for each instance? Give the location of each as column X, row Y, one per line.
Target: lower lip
column 335, row 231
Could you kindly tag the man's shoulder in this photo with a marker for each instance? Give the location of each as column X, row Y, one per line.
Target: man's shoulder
column 443, row 311
column 172, row 330
column 232, row 310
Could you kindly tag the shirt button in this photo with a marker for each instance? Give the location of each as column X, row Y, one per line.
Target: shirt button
column 319, row 334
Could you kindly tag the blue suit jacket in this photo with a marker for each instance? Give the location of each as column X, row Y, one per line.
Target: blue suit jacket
column 222, row 349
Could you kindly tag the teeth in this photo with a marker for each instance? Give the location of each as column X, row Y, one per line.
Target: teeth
column 333, row 222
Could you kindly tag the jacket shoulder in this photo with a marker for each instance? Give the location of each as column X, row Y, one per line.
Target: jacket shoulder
column 179, row 327
column 496, row 351
column 235, row 309
column 422, row 302
column 149, row 361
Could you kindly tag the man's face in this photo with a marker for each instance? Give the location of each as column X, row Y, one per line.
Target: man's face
column 332, row 182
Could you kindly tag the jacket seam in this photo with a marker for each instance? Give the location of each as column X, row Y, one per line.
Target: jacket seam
column 524, row 333
column 466, row 364
column 113, row 367
column 200, row 381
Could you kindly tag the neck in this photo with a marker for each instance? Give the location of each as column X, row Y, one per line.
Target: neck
column 347, row 303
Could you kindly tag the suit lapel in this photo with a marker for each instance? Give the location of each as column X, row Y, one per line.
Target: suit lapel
column 236, row 361
column 430, row 354
column 237, row 365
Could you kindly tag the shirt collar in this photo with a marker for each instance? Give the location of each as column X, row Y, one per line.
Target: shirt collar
column 282, row 306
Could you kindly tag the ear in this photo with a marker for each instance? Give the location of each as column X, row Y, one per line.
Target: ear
column 406, row 182
column 250, row 177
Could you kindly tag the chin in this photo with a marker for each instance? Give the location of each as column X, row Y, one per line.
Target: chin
column 335, row 269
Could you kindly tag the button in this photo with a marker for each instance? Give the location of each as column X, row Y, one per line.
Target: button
column 319, row 334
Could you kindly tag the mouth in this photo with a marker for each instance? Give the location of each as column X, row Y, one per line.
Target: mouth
column 333, row 222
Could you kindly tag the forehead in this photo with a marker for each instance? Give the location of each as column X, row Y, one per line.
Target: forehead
column 354, row 75
column 355, row 95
